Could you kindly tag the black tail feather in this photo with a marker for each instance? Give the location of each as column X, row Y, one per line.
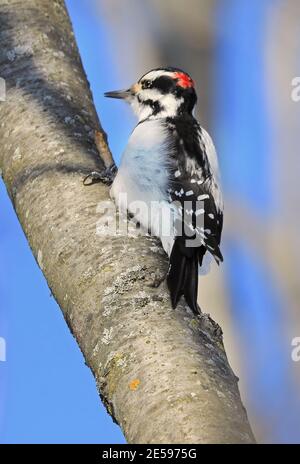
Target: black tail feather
column 182, row 277
column 176, row 275
column 190, row 289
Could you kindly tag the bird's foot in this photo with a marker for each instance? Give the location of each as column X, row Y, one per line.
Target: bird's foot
column 106, row 176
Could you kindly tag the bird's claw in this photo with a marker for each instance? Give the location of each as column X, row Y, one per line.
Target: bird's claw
column 106, row 176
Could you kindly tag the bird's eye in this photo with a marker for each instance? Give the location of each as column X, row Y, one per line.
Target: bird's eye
column 146, row 84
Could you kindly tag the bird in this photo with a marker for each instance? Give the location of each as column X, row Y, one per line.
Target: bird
column 168, row 178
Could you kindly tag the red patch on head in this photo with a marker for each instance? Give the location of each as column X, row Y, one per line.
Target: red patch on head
column 184, row 80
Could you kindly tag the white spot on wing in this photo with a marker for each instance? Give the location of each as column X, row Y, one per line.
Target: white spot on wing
column 199, row 211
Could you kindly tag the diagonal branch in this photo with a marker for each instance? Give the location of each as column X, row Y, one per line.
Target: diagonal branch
column 162, row 374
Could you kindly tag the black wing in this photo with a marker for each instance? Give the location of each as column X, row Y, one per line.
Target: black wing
column 193, row 187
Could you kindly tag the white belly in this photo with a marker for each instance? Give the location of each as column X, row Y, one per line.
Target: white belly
column 140, row 186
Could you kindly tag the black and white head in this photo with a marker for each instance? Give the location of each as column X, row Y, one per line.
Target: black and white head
column 161, row 93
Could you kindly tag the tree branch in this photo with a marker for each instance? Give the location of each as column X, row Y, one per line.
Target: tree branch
column 162, row 374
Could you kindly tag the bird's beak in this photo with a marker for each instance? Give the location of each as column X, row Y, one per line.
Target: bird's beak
column 119, row 94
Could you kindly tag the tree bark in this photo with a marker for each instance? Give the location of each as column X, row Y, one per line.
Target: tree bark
column 162, row 374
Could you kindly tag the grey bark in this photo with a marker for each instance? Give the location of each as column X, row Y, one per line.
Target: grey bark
column 163, row 375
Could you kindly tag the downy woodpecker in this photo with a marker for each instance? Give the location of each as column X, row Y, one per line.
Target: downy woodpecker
column 170, row 164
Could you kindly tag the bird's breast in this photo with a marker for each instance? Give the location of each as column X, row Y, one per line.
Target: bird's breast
column 143, row 172
column 141, row 184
